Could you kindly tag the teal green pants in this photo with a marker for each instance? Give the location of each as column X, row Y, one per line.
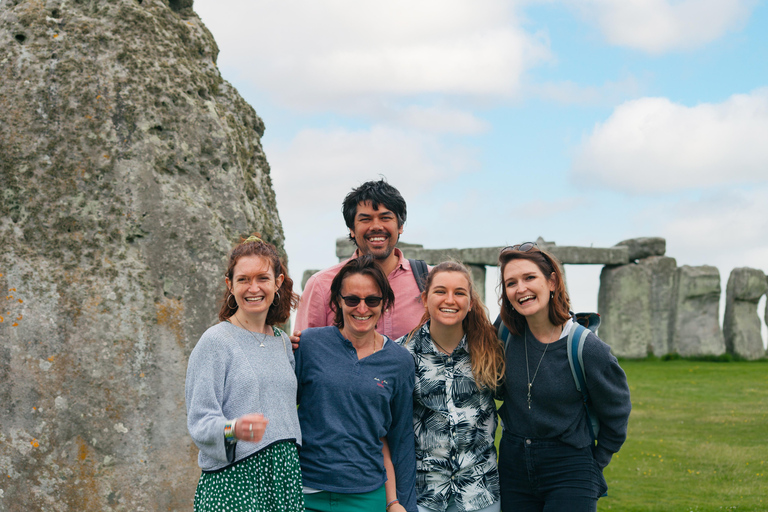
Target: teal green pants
column 325, row 501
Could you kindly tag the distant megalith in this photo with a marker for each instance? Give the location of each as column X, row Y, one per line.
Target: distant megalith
column 634, row 302
column 741, row 325
column 662, row 270
column 644, row 247
column 127, row 169
column 695, row 312
column 624, row 305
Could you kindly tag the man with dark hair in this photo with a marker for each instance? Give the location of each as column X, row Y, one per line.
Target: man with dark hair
column 374, row 213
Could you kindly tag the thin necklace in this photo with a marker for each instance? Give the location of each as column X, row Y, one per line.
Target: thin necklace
column 527, row 369
column 263, row 335
column 439, row 346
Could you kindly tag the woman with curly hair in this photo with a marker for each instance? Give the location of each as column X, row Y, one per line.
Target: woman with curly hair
column 241, row 391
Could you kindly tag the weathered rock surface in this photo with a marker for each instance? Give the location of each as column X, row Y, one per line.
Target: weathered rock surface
column 741, row 325
column 127, row 169
column 662, row 270
column 644, row 247
column 624, row 306
column 695, row 314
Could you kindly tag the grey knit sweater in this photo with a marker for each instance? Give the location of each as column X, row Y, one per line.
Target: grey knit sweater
column 230, row 375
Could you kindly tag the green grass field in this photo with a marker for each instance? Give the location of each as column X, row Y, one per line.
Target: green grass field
column 698, row 439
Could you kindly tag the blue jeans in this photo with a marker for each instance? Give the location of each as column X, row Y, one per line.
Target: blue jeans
column 545, row 475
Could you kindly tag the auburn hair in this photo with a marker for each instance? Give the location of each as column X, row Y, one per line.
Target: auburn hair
column 287, row 300
column 485, row 350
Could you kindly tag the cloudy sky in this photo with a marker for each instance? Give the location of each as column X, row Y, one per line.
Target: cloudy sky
column 586, row 122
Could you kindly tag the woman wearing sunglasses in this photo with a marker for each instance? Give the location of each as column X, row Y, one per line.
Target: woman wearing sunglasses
column 459, row 363
column 547, row 460
column 355, row 389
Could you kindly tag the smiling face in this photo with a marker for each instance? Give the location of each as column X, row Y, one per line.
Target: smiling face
column 376, row 231
column 526, row 287
column 254, row 285
column 448, row 298
column 361, row 319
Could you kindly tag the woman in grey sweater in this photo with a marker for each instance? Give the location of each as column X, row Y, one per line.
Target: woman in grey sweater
column 241, row 391
column 547, row 459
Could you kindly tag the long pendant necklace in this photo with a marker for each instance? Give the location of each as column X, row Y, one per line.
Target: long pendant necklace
column 527, row 368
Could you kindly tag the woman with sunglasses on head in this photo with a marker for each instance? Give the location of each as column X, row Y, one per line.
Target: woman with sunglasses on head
column 547, row 459
column 355, row 401
column 241, row 391
column 459, row 363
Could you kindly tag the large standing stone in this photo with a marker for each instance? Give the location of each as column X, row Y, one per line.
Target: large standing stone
column 662, row 270
column 639, row 248
column 741, row 325
column 127, row 169
column 695, row 314
column 623, row 304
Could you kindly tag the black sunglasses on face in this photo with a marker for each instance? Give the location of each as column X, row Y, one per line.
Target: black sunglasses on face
column 353, row 300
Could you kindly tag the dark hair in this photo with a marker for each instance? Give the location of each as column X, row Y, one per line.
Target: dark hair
column 287, row 300
column 367, row 266
column 377, row 192
column 485, row 350
column 559, row 304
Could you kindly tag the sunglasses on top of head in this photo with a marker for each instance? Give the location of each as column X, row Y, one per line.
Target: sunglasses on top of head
column 353, row 300
column 524, row 247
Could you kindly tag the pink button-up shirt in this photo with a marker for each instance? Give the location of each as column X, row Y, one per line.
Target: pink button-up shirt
column 315, row 311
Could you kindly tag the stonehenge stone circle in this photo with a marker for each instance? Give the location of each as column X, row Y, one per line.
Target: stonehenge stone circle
column 741, row 325
column 129, row 168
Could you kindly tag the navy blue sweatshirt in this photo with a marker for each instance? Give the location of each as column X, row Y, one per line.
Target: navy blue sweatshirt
column 557, row 411
column 346, row 405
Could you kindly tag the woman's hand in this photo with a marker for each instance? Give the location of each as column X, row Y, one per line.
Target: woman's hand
column 251, row 427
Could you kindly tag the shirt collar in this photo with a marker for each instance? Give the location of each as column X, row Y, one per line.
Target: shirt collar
column 401, row 260
column 424, row 342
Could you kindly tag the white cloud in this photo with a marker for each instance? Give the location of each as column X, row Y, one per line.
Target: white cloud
column 653, row 145
column 657, row 26
column 314, row 54
column 728, row 229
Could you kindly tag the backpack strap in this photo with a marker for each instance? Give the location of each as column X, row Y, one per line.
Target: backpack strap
column 502, row 332
column 420, row 271
column 575, row 345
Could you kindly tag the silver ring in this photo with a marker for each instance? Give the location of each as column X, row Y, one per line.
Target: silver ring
column 250, row 427
column 251, row 435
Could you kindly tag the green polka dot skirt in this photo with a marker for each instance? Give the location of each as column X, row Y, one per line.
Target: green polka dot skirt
column 269, row 481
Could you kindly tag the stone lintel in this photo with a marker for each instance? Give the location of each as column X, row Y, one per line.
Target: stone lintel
column 569, row 255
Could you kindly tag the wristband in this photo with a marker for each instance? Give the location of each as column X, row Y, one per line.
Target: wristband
column 229, row 431
column 391, row 503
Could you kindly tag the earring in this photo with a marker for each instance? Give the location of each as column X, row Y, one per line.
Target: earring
column 551, row 295
column 228, row 304
column 276, row 300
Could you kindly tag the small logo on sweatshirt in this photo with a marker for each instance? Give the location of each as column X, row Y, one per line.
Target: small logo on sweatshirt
column 380, row 382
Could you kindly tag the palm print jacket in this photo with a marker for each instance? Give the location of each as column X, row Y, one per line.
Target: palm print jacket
column 454, row 423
